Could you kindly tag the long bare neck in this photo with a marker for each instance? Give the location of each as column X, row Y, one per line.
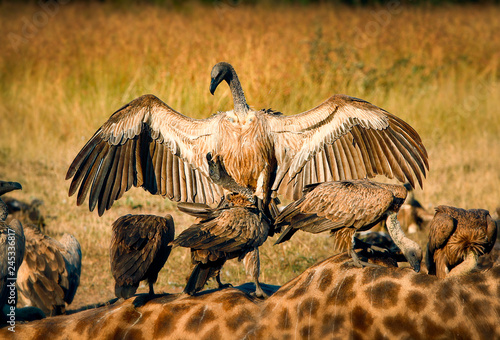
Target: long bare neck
column 397, row 234
column 239, row 100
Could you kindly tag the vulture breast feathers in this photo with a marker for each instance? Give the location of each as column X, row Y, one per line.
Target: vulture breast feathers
column 146, row 143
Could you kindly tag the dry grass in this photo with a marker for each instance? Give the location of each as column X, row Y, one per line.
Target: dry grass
column 437, row 68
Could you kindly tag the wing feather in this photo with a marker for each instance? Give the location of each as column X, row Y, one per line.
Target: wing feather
column 147, row 144
column 361, row 139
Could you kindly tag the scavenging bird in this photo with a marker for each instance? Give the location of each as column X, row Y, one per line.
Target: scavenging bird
column 346, row 207
column 235, row 229
column 148, row 144
column 139, row 249
column 12, row 245
column 50, row 273
column 457, row 238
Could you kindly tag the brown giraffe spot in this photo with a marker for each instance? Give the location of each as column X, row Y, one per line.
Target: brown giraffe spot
column 199, row 319
column 233, row 300
column 48, row 330
column 308, row 308
column 478, row 309
column 233, row 322
column 486, row 330
column 461, row 332
column 445, row 291
column 129, row 317
column 164, row 324
column 361, row 319
column 495, row 271
column 383, row 294
column 145, row 317
column 307, row 332
column 400, row 325
column 213, row 333
column 431, row 329
column 343, row 292
column 416, row 301
column 325, row 279
column 331, row 324
column 356, row 336
column 304, row 286
column 284, row 321
column 372, row 274
column 379, row 335
column 464, row 296
column 423, row 280
column 447, row 310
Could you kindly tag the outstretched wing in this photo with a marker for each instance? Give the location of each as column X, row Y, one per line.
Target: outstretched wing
column 344, row 138
column 146, row 144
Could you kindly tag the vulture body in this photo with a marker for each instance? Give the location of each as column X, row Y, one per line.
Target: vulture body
column 50, row 273
column 139, row 249
column 235, row 229
column 346, row 207
column 12, row 245
column 457, row 238
column 148, row 144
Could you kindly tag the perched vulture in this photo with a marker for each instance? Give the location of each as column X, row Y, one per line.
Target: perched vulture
column 50, row 273
column 457, row 238
column 12, row 245
column 235, row 229
column 148, row 144
column 139, row 249
column 346, row 207
column 28, row 213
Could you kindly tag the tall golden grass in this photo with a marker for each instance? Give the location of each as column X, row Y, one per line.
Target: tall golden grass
column 61, row 78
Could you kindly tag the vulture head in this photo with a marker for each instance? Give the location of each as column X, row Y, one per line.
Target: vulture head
column 6, row 187
column 221, row 71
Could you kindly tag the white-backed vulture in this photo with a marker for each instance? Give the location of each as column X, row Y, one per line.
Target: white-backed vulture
column 139, row 249
column 235, row 229
column 345, row 207
column 12, row 245
column 457, row 237
column 148, row 144
column 50, row 274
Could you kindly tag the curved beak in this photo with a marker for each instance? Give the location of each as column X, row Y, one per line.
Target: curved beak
column 213, row 85
column 415, row 265
column 6, row 187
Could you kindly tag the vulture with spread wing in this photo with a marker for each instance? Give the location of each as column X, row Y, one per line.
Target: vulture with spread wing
column 235, row 229
column 139, row 249
column 457, row 237
column 148, row 144
column 346, row 207
column 50, row 273
column 12, row 244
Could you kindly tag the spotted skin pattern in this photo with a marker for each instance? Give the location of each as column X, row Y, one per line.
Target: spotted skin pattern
column 330, row 300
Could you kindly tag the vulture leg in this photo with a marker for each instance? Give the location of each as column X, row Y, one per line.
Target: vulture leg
column 151, row 290
column 252, row 267
column 219, row 282
column 466, row 266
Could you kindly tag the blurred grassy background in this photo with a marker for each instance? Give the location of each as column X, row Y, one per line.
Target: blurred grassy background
column 65, row 69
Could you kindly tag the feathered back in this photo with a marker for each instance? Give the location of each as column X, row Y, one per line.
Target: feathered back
column 50, row 273
column 139, row 248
